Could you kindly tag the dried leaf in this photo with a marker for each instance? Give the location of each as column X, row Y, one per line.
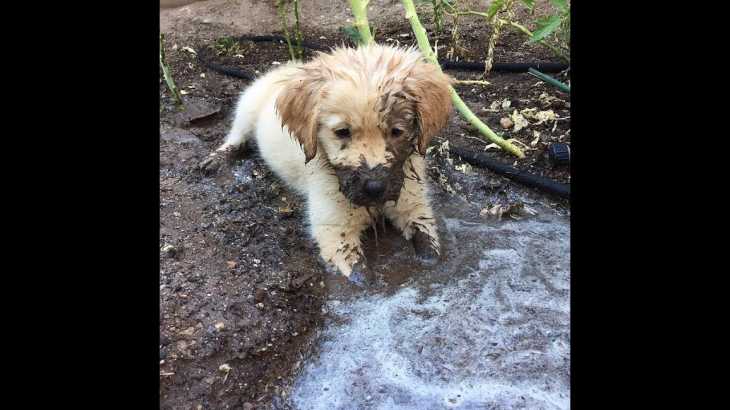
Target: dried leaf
column 519, row 121
column 493, row 107
column 465, row 168
column 536, row 140
column 515, row 211
column 543, row 116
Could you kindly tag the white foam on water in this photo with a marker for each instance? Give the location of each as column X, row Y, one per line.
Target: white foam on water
column 495, row 338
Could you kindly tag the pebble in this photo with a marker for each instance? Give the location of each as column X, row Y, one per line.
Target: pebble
column 260, row 295
column 506, row 123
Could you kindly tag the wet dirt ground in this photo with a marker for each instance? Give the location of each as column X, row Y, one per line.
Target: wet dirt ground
column 246, row 312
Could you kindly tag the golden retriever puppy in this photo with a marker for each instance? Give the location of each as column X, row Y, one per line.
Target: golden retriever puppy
column 348, row 131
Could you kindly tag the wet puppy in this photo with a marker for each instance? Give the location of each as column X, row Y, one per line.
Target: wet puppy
column 349, row 131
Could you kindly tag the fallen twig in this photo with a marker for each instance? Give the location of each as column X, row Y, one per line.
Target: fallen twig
column 466, row 82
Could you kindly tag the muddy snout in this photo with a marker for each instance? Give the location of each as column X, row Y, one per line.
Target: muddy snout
column 376, row 183
column 374, row 188
column 369, row 186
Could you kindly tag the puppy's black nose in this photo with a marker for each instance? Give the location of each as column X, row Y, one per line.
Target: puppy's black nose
column 374, row 188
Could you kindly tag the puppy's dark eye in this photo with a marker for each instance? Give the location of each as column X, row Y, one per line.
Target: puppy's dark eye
column 396, row 132
column 343, row 133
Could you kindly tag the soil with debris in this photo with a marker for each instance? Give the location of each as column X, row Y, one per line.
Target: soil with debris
column 241, row 290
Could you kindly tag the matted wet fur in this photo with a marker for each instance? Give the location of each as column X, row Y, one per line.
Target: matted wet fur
column 349, row 131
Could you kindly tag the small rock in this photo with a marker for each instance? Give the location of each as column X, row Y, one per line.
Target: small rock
column 196, row 110
column 260, row 305
column 260, row 295
column 225, row 368
column 188, row 332
column 219, row 326
column 493, row 184
column 231, row 264
column 506, row 123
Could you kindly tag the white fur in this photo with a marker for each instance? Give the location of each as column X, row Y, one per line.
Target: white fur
column 334, row 222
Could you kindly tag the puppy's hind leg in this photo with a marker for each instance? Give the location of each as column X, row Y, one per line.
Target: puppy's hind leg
column 244, row 122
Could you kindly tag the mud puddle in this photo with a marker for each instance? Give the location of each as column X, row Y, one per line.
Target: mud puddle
column 487, row 328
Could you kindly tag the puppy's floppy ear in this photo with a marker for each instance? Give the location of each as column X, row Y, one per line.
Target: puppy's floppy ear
column 298, row 106
column 430, row 89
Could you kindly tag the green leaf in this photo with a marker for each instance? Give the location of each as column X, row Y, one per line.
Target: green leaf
column 353, row 33
column 561, row 5
column 494, row 8
column 545, row 27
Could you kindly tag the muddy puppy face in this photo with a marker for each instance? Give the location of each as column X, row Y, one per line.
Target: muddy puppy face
column 363, row 112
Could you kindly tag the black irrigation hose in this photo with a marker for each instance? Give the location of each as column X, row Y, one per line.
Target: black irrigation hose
column 503, row 67
column 484, row 161
column 445, row 64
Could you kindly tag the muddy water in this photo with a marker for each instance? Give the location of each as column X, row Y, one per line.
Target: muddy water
column 487, row 328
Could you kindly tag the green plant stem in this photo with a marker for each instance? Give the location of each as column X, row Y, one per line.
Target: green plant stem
column 285, row 25
column 461, row 107
column 166, row 73
column 518, row 26
column 298, row 31
column 360, row 11
column 561, row 86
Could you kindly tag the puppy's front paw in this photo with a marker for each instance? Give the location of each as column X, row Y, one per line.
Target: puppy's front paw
column 347, row 262
column 426, row 247
column 357, row 274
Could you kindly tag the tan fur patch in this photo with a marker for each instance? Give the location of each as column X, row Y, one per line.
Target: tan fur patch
column 368, row 87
